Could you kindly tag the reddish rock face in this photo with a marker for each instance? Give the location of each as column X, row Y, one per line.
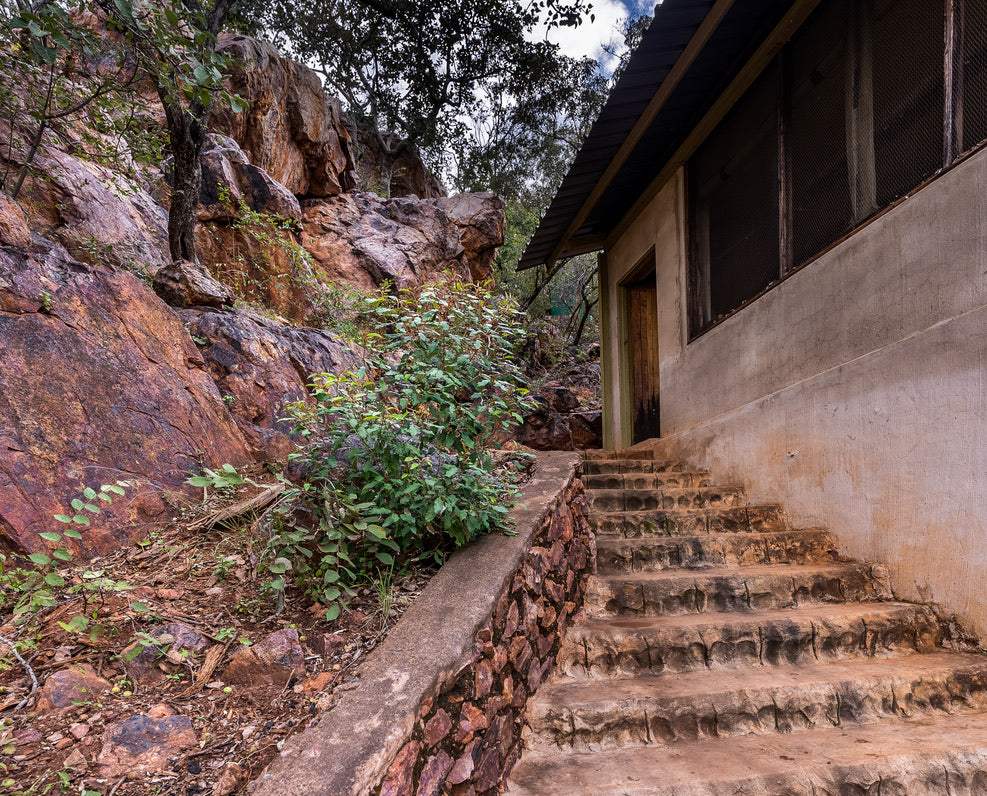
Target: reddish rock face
column 481, row 220
column 364, row 241
column 292, row 130
column 100, row 383
column 94, row 212
column 263, row 366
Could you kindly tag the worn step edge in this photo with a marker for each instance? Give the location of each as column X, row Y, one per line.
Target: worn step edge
column 764, row 518
column 617, row 554
column 624, row 646
column 611, row 466
column 945, row 756
column 652, row 710
column 744, row 589
column 662, row 480
column 667, row 498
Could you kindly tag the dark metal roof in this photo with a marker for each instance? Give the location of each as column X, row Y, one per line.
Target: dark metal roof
column 742, row 28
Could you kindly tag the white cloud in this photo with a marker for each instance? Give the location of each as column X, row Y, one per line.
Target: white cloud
column 588, row 39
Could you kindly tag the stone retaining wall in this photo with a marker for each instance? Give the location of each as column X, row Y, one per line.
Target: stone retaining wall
column 441, row 704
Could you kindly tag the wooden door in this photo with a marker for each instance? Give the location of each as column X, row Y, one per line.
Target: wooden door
column 642, row 325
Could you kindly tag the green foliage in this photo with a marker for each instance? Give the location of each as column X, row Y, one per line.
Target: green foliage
column 25, row 590
column 396, row 461
column 57, row 74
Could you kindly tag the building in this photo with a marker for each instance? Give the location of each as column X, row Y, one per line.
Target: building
column 789, row 201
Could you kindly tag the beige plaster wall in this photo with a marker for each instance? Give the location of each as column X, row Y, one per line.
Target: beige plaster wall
column 856, row 391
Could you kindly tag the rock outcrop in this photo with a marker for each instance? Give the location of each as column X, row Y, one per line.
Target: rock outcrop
column 97, row 214
column 482, row 223
column 101, row 382
column 261, row 367
column 362, row 240
column 292, row 130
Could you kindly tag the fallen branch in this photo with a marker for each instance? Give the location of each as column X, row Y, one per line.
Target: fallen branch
column 213, row 656
column 258, row 501
column 27, row 668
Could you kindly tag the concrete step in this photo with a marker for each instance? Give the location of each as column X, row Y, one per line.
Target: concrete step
column 673, row 478
column 627, row 646
column 607, row 466
column 660, row 522
column 667, row 498
column 647, row 710
column 625, row 455
column 744, row 589
column 928, row 756
column 702, row 551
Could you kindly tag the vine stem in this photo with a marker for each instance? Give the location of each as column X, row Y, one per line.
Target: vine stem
column 27, row 668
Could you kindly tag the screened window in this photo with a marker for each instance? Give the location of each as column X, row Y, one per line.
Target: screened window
column 735, row 223
column 868, row 100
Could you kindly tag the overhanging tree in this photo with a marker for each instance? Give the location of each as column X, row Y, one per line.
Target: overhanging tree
column 175, row 45
column 415, row 72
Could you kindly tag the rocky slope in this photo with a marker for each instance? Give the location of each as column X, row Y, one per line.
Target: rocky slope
column 103, row 379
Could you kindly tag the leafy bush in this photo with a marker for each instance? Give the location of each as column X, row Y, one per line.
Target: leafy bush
column 397, row 464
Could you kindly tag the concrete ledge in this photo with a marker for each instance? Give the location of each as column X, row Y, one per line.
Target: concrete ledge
column 448, row 630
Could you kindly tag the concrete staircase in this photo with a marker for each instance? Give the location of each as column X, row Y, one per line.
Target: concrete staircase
column 725, row 652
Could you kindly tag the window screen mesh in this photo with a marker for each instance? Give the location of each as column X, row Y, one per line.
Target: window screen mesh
column 971, row 115
column 734, row 185
column 859, row 112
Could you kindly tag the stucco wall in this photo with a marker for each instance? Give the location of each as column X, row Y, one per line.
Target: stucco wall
column 855, row 392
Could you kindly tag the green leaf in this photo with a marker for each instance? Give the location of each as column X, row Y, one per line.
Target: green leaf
column 48, row 536
column 62, row 554
column 81, row 519
column 89, row 493
column 385, row 558
column 54, row 579
column 63, row 518
column 77, row 504
column 71, row 533
column 40, row 559
column 199, row 480
column 332, row 612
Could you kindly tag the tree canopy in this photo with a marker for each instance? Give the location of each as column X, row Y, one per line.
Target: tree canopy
column 420, row 69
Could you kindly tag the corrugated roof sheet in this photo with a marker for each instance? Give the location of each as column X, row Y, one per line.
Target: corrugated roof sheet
column 676, row 22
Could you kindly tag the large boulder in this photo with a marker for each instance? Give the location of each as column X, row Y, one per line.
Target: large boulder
column 262, row 366
column 230, row 181
column 247, row 232
column 292, row 130
column 545, row 429
column 364, row 241
column 482, row 221
column 101, row 382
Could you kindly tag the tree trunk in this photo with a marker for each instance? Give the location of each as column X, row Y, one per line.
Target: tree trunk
column 186, row 132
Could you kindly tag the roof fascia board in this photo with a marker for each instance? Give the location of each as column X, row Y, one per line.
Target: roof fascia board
column 689, row 54
column 772, row 45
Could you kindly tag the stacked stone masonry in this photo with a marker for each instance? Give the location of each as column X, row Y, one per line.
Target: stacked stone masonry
column 724, row 652
column 469, row 736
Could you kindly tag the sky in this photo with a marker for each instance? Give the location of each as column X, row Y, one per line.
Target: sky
column 588, row 39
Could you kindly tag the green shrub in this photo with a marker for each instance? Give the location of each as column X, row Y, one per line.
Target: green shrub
column 396, row 460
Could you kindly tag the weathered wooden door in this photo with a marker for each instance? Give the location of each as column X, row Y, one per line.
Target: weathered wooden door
column 642, row 326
